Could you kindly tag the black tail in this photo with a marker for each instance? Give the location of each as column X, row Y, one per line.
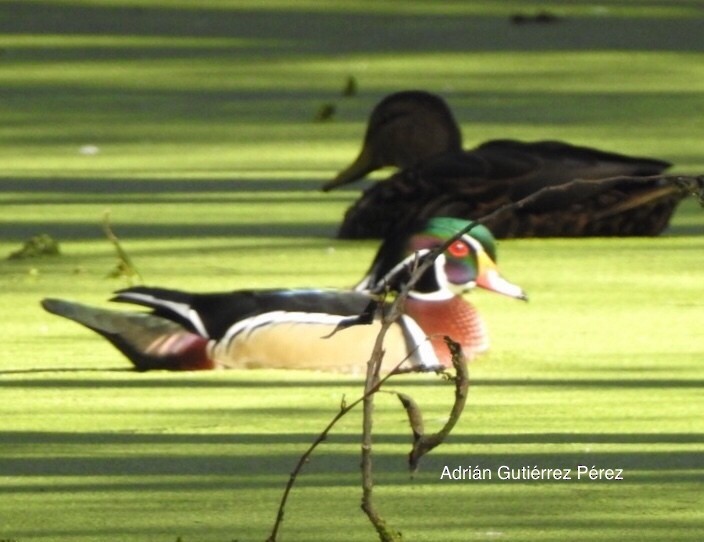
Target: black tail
column 149, row 342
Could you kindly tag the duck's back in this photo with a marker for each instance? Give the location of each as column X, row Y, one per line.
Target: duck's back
column 546, row 163
column 473, row 184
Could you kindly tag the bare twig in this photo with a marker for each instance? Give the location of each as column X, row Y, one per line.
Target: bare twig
column 344, row 409
column 371, row 383
column 422, row 443
column 125, row 267
column 543, row 200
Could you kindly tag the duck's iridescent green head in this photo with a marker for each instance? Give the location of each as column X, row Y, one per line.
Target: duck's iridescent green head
column 469, row 261
column 445, row 227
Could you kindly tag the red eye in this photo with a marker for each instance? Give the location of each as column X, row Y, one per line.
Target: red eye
column 458, row 249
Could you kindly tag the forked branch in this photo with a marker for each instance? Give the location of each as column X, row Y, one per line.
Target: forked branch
column 544, row 200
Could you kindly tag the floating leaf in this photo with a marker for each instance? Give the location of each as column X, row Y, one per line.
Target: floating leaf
column 37, row 246
column 350, row 88
column 325, row 112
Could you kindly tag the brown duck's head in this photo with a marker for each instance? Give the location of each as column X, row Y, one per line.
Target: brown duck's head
column 404, row 129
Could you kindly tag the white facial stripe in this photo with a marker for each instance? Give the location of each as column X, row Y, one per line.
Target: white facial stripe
column 445, row 288
column 406, row 262
column 472, row 242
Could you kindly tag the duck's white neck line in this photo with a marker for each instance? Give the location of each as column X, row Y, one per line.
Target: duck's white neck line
column 438, row 295
column 445, row 291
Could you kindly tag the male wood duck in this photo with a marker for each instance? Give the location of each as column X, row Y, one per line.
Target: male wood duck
column 416, row 132
column 308, row 329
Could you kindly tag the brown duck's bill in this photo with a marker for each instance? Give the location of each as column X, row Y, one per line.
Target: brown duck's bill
column 362, row 166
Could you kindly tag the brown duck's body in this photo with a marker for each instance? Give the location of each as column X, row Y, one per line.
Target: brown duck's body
column 416, row 132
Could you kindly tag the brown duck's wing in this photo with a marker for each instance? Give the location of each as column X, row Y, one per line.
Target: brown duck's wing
column 631, row 206
column 617, row 206
column 616, row 212
column 547, row 163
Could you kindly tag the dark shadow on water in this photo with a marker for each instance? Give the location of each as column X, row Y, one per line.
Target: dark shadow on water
column 104, row 190
column 220, row 457
column 216, row 116
column 107, row 439
column 344, row 31
column 405, row 381
column 62, row 371
column 106, row 187
column 83, row 230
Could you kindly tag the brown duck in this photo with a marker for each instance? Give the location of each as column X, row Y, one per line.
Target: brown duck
column 416, row 132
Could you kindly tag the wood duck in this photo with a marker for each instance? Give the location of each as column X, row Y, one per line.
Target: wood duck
column 311, row 329
column 416, row 132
